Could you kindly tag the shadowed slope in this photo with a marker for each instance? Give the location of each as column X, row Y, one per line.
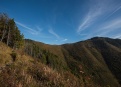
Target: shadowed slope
column 94, row 61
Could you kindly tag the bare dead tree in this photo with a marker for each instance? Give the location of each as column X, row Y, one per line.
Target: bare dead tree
column 8, row 36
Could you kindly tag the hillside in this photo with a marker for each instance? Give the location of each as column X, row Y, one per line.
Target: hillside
column 90, row 63
column 100, row 58
column 60, row 43
column 95, row 61
column 25, row 71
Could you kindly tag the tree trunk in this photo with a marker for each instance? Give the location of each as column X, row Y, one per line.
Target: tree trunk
column 8, row 36
column 3, row 35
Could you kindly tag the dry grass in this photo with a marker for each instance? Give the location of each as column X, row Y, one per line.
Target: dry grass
column 28, row 72
column 5, row 56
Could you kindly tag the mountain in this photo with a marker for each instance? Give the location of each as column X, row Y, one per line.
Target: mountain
column 26, row 63
column 91, row 63
column 95, row 61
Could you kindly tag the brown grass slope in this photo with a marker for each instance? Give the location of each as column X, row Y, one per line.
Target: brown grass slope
column 25, row 71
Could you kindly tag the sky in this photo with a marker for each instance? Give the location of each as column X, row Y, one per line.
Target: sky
column 65, row 21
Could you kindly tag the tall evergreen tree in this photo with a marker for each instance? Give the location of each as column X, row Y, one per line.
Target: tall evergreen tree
column 9, row 32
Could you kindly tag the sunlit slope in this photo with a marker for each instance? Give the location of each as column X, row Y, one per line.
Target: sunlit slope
column 25, row 71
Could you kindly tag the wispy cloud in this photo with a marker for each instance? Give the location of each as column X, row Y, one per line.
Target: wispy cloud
column 113, row 24
column 117, row 36
column 103, row 11
column 53, row 33
column 58, row 38
column 23, row 25
column 30, row 30
column 117, row 9
column 106, row 28
column 37, row 31
column 110, row 26
column 64, row 39
column 91, row 17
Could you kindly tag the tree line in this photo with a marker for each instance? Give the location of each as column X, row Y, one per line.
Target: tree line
column 33, row 49
column 9, row 32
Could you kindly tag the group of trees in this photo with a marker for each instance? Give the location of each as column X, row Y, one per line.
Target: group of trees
column 33, row 49
column 9, row 32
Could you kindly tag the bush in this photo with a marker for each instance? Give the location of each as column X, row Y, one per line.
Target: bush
column 13, row 55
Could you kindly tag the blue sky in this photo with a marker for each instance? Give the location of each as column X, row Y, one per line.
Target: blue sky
column 65, row 21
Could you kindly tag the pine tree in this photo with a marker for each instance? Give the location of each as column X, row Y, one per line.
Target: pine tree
column 9, row 32
column 3, row 26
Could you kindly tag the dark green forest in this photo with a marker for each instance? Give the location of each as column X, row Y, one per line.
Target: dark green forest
column 9, row 32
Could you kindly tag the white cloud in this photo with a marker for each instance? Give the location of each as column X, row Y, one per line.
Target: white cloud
column 30, row 30
column 118, row 8
column 85, row 23
column 91, row 17
column 23, row 25
column 53, row 33
column 114, row 24
column 96, row 12
column 37, row 31
column 109, row 27
column 65, row 39
column 117, row 36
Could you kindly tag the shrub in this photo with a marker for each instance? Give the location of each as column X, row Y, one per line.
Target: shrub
column 13, row 55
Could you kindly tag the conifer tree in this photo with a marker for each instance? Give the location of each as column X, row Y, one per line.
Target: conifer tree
column 9, row 32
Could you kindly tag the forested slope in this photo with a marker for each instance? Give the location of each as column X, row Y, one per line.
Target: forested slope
column 94, row 61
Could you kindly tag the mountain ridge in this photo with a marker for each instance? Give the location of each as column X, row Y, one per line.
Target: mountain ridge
column 89, row 54
column 96, row 37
